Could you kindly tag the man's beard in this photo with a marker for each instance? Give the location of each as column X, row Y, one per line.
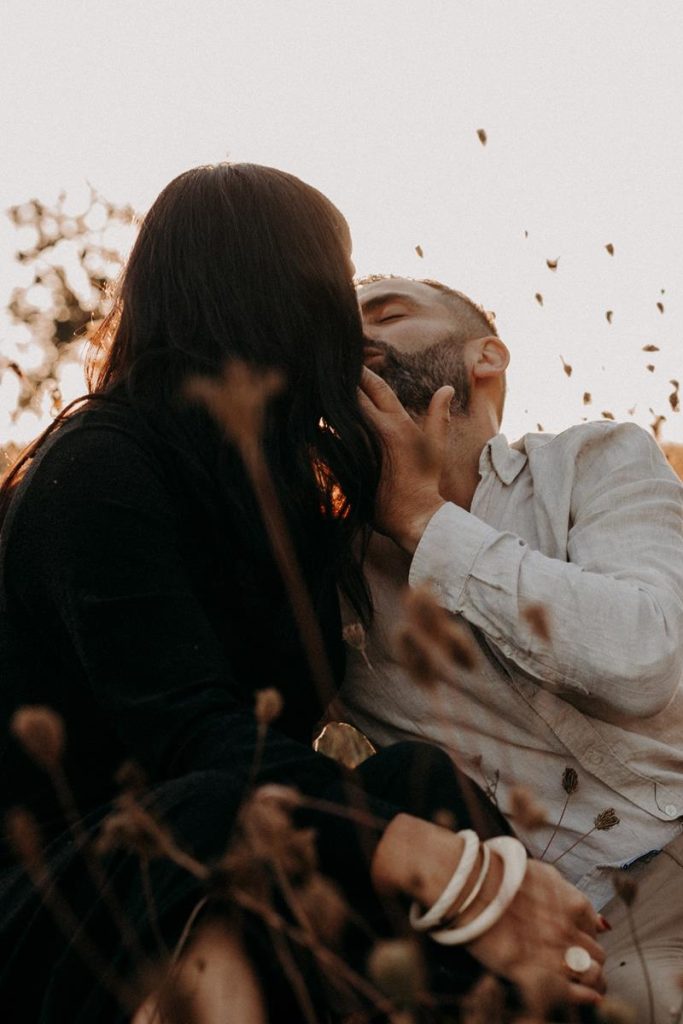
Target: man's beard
column 415, row 376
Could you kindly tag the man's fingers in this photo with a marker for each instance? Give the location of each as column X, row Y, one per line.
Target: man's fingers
column 379, row 392
column 581, row 995
column 590, row 945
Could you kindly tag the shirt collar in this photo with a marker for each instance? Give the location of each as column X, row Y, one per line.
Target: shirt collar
column 507, row 461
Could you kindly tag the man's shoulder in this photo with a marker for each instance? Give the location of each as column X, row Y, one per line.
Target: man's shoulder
column 586, row 439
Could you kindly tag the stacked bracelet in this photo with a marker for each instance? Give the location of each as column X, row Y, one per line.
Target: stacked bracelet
column 514, row 858
column 434, row 917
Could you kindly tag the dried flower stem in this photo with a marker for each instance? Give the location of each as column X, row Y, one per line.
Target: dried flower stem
column 326, row 956
column 72, row 930
column 285, row 556
column 294, row 975
column 82, row 841
column 557, row 826
column 175, row 957
column 151, row 905
column 575, row 843
column 643, row 964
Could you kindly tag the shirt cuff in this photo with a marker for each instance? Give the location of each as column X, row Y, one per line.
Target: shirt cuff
column 447, row 551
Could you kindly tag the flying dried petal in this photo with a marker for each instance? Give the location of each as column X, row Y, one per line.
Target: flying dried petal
column 537, row 618
column 660, row 307
column 607, row 415
column 539, row 298
column 566, row 367
column 587, row 398
column 610, row 248
column 482, row 136
column 651, row 367
column 674, row 400
column 650, row 348
column 418, row 250
column 608, row 316
column 552, row 264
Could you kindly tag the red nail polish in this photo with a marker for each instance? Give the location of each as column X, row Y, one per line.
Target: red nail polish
column 605, row 923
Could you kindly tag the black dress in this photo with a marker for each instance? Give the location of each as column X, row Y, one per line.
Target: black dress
column 146, row 612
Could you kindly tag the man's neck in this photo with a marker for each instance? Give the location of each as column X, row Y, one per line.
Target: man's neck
column 460, row 476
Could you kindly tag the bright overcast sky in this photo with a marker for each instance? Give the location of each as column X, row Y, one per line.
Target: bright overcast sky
column 378, row 104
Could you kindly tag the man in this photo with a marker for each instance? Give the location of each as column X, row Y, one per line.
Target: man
column 563, row 558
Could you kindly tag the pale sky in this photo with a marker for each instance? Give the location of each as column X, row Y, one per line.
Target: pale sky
column 378, row 104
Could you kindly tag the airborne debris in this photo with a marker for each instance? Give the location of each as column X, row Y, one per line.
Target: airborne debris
column 566, row 367
column 660, row 307
column 539, row 298
column 418, row 250
column 650, row 348
column 610, row 248
column 673, row 397
column 608, row 316
column 537, row 618
column 552, row 264
column 607, row 415
column 650, row 367
column 482, row 136
column 587, row 398
column 656, row 425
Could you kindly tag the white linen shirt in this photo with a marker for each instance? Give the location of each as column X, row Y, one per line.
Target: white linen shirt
column 589, row 524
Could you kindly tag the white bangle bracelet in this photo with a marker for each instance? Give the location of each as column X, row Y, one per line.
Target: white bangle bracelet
column 485, row 864
column 434, row 915
column 514, row 859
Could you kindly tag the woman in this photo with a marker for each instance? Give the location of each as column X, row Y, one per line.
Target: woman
column 142, row 601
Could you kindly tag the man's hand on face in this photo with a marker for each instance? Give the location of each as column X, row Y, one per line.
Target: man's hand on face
column 408, row 494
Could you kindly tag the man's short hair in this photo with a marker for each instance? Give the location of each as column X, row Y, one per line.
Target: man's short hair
column 471, row 318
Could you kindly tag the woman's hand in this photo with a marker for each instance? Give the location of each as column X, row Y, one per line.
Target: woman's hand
column 408, row 494
column 527, row 945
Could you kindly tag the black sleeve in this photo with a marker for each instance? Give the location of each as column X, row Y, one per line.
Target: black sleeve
column 103, row 531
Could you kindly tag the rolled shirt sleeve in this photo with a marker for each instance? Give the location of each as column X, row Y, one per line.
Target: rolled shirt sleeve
column 615, row 603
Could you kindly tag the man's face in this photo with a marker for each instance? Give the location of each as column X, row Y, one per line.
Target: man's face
column 410, row 342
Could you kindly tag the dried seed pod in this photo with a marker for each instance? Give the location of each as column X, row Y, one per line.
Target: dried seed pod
column 397, row 968
column 570, row 780
column 268, row 706
column 23, row 835
column 606, row 820
column 354, row 635
column 525, row 808
column 625, row 888
column 40, row 730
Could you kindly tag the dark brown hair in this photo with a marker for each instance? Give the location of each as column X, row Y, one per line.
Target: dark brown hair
column 239, row 260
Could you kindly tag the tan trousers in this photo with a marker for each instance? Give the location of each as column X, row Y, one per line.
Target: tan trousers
column 657, row 916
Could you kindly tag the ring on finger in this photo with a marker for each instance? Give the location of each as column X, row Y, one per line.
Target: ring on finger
column 577, row 959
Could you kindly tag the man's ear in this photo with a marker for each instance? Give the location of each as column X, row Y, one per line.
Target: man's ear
column 488, row 358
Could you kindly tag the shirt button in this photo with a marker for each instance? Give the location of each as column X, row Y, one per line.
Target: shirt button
column 594, row 757
column 671, row 810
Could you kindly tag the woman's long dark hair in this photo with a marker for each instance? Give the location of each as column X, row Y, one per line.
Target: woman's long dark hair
column 239, row 260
